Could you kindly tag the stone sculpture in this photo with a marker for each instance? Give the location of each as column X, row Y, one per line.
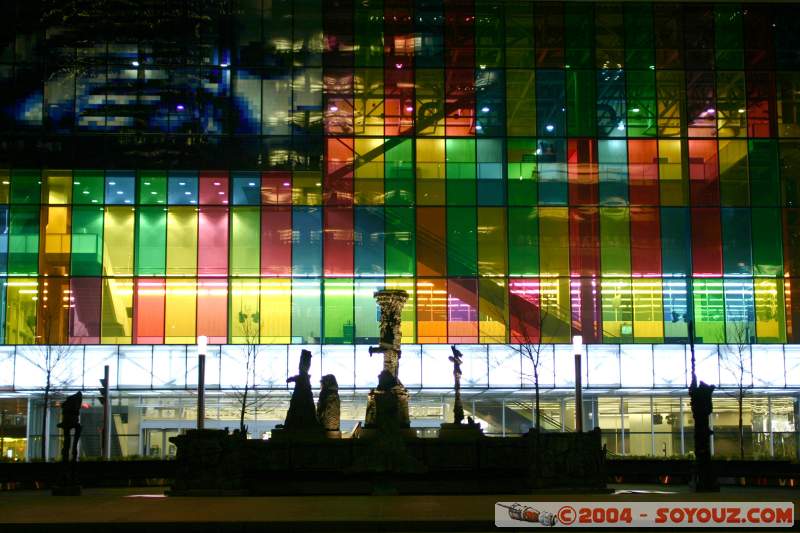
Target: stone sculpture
column 458, row 408
column 302, row 413
column 328, row 406
column 71, row 422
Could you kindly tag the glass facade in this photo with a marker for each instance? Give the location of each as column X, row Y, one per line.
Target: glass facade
column 527, row 171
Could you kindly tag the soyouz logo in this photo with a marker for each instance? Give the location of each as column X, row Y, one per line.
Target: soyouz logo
column 644, row 514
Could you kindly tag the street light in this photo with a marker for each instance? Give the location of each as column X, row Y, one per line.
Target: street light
column 202, row 348
column 577, row 349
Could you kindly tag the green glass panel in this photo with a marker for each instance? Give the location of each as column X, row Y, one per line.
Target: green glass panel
column 579, row 35
column 23, row 241
column 339, row 325
column 399, row 171
column 87, row 241
column 26, row 186
column 306, row 311
column 245, row 255
column 523, row 241
column 641, row 98
column 88, row 187
column 151, row 241
column 400, row 239
column 367, row 328
column 492, row 243
column 733, row 179
column 521, row 171
column 460, row 170
column 639, row 48
column 462, row 252
column 709, row 311
column 764, row 183
column 728, row 36
column 767, row 244
column 581, row 99
column 153, row 188
column 736, row 245
column 675, row 240
column 615, row 241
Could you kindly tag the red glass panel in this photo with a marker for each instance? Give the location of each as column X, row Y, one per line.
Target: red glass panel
column 338, row 242
column 398, row 99
column 338, row 183
column 645, row 241
column 761, row 107
column 84, row 310
column 213, row 188
column 276, row 241
column 276, row 188
column 704, row 172
column 524, row 310
column 459, row 102
column 643, row 171
column 582, row 172
column 431, row 252
column 462, row 310
column 584, row 241
column 212, row 310
column 212, row 242
column 706, row 242
column 148, row 311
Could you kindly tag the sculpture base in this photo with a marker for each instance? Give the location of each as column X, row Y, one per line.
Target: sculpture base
column 374, row 433
column 66, row 490
column 298, row 435
column 460, row 432
column 387, row 409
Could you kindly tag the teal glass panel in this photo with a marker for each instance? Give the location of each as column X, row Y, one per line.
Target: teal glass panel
column 151, row 241
column 367, row 327
column 767, row 242
column 400, row 241
column 87, row 241
column 26, row 186
column 88, row 187
column 676, row 243
column 23, row 241
column 491, row 186
column 523, row 241
column 552, row 161
column 462, row 251
column 612, row 157
column 736, row 244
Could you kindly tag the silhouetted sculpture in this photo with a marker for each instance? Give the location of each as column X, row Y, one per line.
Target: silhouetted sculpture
column 302, row 413
column 702, row 407
column 71, row 421
column 328, row 406
column 458, row 408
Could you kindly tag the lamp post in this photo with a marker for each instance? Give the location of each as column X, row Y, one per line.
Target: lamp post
column 577, row 348
column 202, row 348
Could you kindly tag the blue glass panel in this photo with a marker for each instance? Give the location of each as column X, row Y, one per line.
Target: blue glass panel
column 368, row 241
column 120, row 187
column 246, row 188
column 306, row 241
column 612, row 157
column 182, row 188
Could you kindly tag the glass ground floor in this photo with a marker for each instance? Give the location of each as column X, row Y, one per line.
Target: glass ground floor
column 634, row 423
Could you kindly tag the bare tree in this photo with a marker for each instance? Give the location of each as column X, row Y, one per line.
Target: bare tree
column 735, row 358
column 249, row 323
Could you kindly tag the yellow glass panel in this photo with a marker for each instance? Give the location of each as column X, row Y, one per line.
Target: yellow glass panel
column 617, row 312
column 674, row 187
column 306, row 188
column 492, row 247
column 733, row 172
column 554, row 238
column 118, row 241
column 770, row 313
column 5, row 184
column 57, row 187
column 116, row 319
column 556, row 315
column 369, row 171
column 731, row 104
column 57, row 238
column 21, row 297
column 409, row 314
column 182, row 241
column 245, row 313
column 368, row 102
column 492, row 310
column 648, row 310
column 180, row 311
column 276, row 311
column 430, row 158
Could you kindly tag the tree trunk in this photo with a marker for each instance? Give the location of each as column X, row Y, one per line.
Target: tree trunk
column 741, row 425
column 244, row 409
column 45, row 411
column 536, row 392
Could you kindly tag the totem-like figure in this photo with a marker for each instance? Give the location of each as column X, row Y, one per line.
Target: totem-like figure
column 391, row 303
column 302, row 413
column 328, row 406
column 458, row 408
column 701, row 401
column 71, row 421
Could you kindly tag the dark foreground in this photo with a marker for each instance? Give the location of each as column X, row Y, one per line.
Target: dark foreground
column 147, row 509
